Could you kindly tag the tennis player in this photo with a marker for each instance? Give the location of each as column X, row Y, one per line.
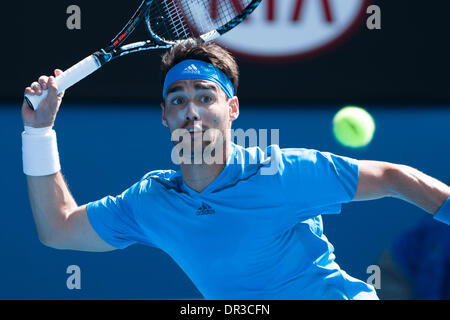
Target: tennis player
column 237, row 229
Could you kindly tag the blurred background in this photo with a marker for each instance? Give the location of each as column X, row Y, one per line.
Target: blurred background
column 300, row 62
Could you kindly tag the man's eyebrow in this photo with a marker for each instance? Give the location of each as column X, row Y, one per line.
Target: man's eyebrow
column 197, row 86
column 174, row 89
column 204, row 86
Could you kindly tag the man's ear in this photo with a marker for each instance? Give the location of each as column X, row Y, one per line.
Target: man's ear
column 233, row 108
column 163, row 117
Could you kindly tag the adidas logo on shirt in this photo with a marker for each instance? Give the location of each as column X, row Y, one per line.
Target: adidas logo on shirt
column 205, row 209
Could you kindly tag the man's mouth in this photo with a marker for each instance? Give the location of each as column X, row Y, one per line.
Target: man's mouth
column 195, row 130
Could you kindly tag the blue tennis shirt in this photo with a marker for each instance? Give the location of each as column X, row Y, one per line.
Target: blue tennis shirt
column 249, row 234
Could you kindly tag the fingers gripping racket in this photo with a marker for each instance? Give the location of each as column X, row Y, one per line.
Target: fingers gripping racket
column 167, row 23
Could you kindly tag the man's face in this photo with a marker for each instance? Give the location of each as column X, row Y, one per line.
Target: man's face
column 199, row 105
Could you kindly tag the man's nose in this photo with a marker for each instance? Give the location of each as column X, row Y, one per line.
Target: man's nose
column 192, row 113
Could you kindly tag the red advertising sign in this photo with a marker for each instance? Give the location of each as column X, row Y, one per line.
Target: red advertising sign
column 285, row 30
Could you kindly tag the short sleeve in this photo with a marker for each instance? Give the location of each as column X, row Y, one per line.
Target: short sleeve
column 113, row 218
column 313, row 179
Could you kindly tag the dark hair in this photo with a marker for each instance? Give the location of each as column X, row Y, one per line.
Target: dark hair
column 204, row 51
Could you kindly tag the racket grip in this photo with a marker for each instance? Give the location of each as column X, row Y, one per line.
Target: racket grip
column 67, row 79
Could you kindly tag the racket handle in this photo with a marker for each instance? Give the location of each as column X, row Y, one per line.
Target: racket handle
column 67, row 79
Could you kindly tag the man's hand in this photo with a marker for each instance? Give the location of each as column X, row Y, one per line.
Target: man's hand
column 45, row 115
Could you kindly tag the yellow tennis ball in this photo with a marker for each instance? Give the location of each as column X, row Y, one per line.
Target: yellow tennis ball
column 353, row 127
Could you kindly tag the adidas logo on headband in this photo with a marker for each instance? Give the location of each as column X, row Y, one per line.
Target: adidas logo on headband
column 196, row 69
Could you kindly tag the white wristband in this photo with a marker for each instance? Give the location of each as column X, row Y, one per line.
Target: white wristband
column 40, row 151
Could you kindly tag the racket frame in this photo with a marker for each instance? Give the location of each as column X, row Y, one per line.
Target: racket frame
column 115, row 49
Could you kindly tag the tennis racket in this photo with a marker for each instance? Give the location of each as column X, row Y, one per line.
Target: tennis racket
column 167, row 22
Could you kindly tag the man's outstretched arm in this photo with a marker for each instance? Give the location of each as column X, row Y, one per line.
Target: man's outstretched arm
column 383, row 179
column 60, row 222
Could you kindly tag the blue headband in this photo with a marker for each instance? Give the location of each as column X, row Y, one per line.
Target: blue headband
column 197, row 69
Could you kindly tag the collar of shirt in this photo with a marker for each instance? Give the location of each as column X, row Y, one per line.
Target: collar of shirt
column 242, row 163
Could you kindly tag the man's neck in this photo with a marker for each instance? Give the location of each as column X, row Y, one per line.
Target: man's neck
column 199, row 176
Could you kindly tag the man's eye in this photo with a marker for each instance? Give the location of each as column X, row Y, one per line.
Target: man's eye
column 206, row 99
column 176, row 101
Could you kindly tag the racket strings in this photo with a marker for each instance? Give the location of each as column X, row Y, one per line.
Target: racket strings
column 166, row 20
column 173, row 20
column 177, row 22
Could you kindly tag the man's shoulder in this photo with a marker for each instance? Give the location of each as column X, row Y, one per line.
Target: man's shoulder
column 303, row 153
column 271, row 160
column 307, row 155
column 159, row 174
column 157, row 179
column 303, row 160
